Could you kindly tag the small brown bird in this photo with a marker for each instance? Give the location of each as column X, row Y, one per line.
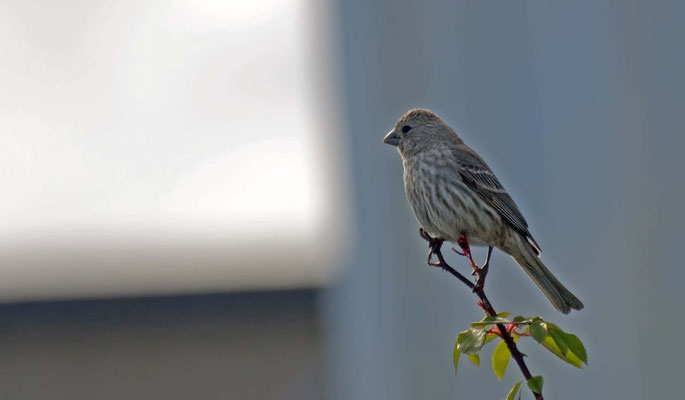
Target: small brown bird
column 455, row 196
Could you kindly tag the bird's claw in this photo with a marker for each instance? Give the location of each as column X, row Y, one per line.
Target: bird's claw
column 425, row 236
column 434, row 245
column 478, row 286
column 458, row 252
column 480, row 282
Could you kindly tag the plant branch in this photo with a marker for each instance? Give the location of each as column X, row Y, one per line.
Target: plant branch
column 435, row 246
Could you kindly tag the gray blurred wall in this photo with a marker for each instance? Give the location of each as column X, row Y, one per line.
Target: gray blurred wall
column 577, row 106
column 226, row 346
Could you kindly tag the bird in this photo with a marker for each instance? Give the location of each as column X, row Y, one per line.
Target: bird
column 456, row 197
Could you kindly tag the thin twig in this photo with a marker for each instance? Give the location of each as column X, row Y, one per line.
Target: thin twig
column 435, row 248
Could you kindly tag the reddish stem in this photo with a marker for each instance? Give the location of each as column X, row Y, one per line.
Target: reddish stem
column 483, row 302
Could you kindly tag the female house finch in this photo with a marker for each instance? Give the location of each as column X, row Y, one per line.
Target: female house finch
column 455, row 196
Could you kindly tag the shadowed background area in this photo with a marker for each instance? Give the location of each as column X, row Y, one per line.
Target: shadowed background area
column 196, row 201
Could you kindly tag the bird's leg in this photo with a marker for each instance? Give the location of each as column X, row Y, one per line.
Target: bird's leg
column 463, row 243
column 434, row 245
column 425, row 236
column 483, row 271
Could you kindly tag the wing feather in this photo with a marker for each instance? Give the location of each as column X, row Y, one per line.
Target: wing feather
column 478, row 176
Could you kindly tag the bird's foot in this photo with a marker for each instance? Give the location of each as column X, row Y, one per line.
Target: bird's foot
column 480, row 284
column 425, row 236
column 483, row 272
column 463, row 243
column 434, row 245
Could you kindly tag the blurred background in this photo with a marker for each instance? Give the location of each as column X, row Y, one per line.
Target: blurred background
column 196, row 201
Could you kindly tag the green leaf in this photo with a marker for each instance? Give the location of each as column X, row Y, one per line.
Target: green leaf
column 455, row 357
column 569, row 357
column 567, row 342
column 475, row 359
column 518, row 319
column 490, row 337
column 538, row 330
column 503, row 314
column 558, row 336
column 513, row 391
column 489, row 321
column 576, row 346
column 535, row 384
column 471, row 340
column 500, row 359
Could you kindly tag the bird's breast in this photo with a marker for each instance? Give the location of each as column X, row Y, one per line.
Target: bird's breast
column 444, row 206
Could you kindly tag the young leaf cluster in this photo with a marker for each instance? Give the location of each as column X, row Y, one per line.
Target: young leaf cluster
column 562, row 344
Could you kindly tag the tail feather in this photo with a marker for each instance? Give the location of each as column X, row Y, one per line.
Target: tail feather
column 561, row 298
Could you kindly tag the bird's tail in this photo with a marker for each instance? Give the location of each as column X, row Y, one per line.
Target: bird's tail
column 561, row 298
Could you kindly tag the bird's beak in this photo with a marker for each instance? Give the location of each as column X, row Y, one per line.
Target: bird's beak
column 392, row 138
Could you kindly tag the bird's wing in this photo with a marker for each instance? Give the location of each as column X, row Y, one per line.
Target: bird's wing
column 476, row 174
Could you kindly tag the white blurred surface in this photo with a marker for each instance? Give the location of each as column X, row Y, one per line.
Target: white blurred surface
column 158, row 125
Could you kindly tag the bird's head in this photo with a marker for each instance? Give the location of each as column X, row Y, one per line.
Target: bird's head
column 417, row 129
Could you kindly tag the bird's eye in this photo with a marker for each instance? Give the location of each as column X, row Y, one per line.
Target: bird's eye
column 406, row 128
